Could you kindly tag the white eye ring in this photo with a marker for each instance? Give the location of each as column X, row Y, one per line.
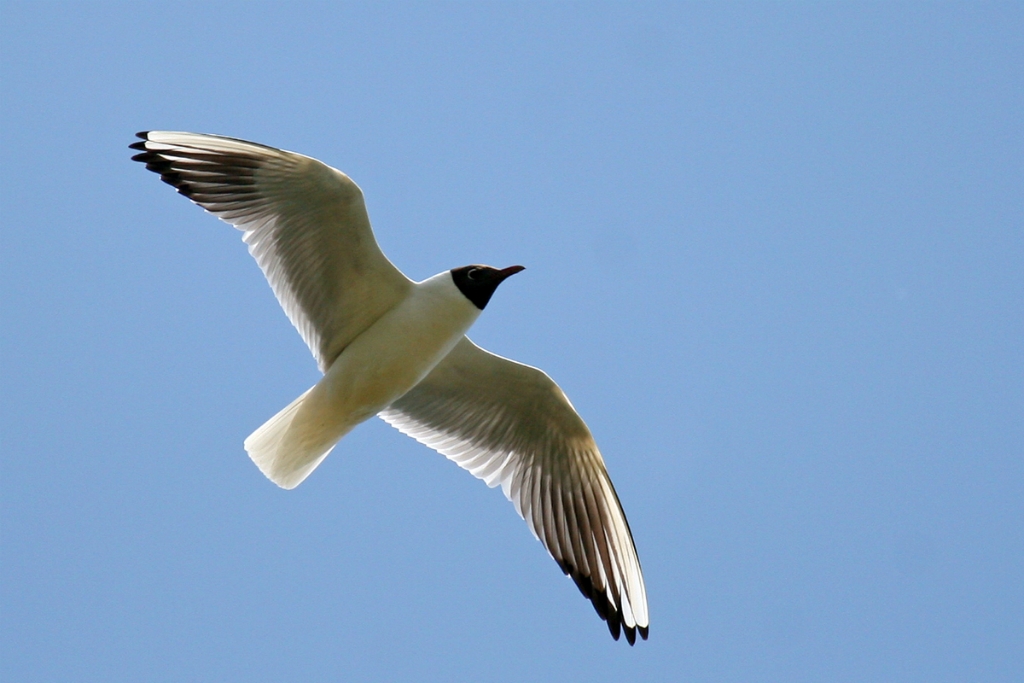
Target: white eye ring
column 472, row 273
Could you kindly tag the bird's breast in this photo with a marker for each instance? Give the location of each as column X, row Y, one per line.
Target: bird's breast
column 396, row 352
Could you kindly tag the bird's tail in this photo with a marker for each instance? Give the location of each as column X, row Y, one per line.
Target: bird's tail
column 291, row 444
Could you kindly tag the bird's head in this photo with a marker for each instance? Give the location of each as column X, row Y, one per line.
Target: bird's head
column 478, row 283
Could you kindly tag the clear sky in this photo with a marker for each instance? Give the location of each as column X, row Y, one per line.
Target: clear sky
column 775, row 256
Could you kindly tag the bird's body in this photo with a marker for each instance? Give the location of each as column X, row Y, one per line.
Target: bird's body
column 392, row 347
column 384, row 362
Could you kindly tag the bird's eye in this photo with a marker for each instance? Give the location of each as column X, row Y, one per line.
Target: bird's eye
column 473, row 273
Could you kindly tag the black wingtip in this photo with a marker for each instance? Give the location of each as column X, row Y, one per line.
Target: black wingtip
column 608, row 613
column 144, row 134
column 614, row 626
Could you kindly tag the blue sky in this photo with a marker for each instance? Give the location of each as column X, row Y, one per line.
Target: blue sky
column 774, row 257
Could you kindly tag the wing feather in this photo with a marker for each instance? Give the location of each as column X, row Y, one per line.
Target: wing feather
column 510, row 424
column 305, row 224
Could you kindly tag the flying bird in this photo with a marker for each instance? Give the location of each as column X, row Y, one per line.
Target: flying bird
column 395, row 348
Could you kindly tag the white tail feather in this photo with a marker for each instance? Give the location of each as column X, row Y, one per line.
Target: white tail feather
column 287, row 449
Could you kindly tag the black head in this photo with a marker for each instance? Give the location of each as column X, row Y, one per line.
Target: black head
column 479, row 282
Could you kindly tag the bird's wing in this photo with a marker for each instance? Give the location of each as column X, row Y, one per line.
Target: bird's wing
column 510, row 424
column 305, row 224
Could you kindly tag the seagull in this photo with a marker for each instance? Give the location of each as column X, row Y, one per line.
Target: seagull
column 395, row 348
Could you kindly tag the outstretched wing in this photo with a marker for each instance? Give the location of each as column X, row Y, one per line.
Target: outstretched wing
column 305, row 224
column 510, row 424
